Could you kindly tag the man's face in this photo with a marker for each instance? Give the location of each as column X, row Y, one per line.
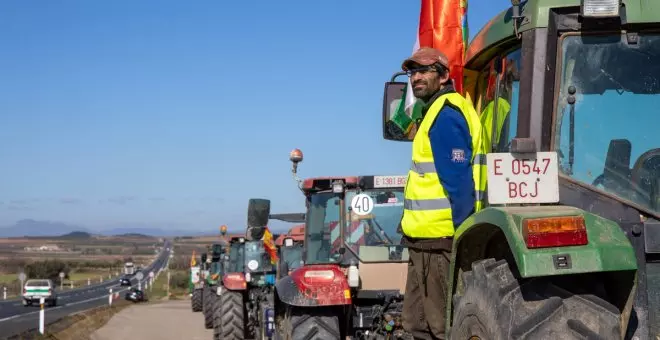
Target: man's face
column 425, row 81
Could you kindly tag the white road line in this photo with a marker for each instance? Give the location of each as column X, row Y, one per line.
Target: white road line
column 11, row 317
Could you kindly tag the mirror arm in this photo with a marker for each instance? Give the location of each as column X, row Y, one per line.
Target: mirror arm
column 394, row 76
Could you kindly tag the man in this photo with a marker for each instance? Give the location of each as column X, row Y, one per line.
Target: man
column 444, row 187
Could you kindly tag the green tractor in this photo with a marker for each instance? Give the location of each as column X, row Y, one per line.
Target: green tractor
column 568, row 246
column 213, row 279
column 197, row 285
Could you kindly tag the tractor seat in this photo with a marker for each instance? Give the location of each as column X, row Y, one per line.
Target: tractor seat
column 646, row 179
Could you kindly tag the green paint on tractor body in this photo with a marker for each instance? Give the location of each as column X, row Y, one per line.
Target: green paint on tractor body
column 215, row 267
column 613, row 245
column 608, row 248
column 536, row 15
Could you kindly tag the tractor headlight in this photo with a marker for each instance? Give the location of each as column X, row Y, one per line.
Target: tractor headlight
column 600, row 8
column 338, row 187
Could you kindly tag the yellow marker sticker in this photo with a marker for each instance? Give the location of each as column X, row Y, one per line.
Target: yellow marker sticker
column 347, row 294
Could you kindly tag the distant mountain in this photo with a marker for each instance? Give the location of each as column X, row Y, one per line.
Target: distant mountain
column 156, row 232
column 76, row 235
column 33, row 228
column 29, row 227
column 135, row 235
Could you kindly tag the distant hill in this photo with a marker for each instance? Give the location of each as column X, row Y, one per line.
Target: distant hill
column 135, row 235
column 76, row 235
column 154, row 232
column 33, row 228
column 48, row 229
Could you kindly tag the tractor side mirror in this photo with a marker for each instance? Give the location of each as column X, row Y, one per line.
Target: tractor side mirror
column 258, row 215
column 398, row 125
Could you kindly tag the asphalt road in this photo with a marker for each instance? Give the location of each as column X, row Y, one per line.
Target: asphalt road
column 16, row 318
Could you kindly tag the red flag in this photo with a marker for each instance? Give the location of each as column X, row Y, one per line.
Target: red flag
column 443, row 25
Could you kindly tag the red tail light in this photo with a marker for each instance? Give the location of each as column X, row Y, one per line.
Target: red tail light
column 234, row 281
column 324, row 283
column 555, row 232
column 24, row 290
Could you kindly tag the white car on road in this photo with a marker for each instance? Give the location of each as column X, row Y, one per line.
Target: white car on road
column 37, row 288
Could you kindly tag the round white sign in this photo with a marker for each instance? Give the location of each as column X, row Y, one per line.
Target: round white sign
column 62, row 275
column 21, row 276
column 139, row 275
column 362, row 204
column 151, row 274
column 253, row 264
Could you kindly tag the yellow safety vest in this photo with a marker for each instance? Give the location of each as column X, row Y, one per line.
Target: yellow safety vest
column 503, row 109
column 427, row 211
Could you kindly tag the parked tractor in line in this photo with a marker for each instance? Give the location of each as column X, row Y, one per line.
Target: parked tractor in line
column 245, row 307
column 225, row 310
column 197, row 284
column 354, row 273
column 568, row 245
column 213, row 279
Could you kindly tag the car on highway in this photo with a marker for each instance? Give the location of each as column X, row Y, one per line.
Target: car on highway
column 124, row 281
column 135, row 295
column 35, row 289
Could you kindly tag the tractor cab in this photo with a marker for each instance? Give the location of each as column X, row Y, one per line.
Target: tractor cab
column 354, row 269
column 568, row 94
column 215, row 268
column 291, row 246
column 354, row 221
column 234, row 264
column 259, row 268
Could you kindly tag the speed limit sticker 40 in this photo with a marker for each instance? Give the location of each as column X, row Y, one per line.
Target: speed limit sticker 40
column 362, row 204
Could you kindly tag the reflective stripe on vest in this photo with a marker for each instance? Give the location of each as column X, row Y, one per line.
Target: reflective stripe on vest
column 427, row 210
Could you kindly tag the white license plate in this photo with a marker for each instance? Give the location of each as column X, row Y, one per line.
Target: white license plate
column 390, row 181
column 523, row 178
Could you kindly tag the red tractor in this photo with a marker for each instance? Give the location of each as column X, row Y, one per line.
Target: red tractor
column 354, row 273
column 245, row 307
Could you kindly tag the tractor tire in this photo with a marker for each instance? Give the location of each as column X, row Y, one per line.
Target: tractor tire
column 209, row 302
column 495, row 305
column 217, row 318
column 232, row 315
column 196, row 300
column 312, row 323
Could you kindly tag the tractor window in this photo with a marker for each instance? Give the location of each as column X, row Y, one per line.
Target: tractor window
column 236, row 257
column 607, row 116
column 323, row 240
column 257, row 258
column 507, row 100
column 371, row 236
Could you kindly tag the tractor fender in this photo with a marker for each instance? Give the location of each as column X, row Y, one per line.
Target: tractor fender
column 608, row 248
column 499, row 230
column 314, row 285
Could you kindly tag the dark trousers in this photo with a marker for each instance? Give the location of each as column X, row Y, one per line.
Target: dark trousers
column 426, row 293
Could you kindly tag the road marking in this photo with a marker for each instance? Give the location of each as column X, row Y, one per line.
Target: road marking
column 11, row 317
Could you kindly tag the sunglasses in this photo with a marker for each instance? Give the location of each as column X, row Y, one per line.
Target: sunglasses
column 422, row 69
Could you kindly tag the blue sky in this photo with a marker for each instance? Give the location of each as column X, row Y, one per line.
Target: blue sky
column 173, row 114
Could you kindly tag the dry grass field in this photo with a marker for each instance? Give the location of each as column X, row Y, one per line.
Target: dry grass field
column 81, row 256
